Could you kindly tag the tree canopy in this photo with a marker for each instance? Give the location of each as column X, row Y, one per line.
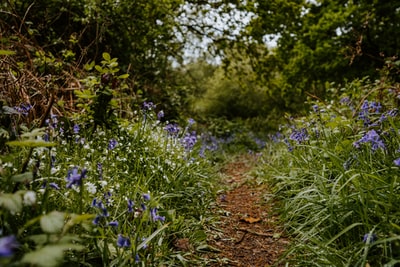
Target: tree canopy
column 317, row 42
column 323, row 41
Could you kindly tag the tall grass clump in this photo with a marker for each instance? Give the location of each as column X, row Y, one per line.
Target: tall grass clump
column 336, row 174
column 94, row 189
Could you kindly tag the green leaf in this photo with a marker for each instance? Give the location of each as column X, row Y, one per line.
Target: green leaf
column 31, row 143
column 53, row 222
column 11, row 202
column 89, row 66
column 123, row 76
column 85, row 94
column 6, row 52
column 23, row 177
column 50, row 255
column 98, row 68
column 106, row 56
column 34, row 133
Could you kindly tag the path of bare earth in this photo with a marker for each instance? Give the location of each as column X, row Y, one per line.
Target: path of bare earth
column 249, row 233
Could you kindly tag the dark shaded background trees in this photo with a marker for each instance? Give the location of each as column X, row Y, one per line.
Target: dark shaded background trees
column 323, row 41
column 318, row 43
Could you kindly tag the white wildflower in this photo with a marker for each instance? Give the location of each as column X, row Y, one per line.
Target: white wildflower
column 91, row 188
column 29, row 198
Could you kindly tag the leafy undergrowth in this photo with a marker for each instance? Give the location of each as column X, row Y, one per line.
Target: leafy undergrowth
column 336, row 174
column 103, row 197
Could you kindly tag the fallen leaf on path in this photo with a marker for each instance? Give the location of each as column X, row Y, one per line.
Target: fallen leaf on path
column 251, row 219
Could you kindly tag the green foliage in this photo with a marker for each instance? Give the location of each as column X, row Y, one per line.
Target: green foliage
column 338, row 184
column 82, row 198
column 100, row 90
column 320, row 42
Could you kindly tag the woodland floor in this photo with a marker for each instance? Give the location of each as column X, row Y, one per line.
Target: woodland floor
column 248, row 233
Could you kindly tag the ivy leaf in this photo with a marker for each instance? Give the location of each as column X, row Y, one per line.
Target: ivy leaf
column 50, row 255
column 53, row 222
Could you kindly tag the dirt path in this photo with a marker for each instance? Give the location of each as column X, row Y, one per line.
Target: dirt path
column 248, row 233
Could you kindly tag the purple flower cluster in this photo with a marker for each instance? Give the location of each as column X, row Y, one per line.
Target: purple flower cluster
column 103, row 209
column 112, row 144
column 155, row 217
column 366, row 109
column 189, row 140
column 148, row 106
column 172, row 129
column 23, row 109
column 74, row 177
column 371, row 137
column 299, row 136
column 7, row 246
column 123, row 242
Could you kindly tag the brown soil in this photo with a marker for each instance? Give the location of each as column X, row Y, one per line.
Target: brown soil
column 248, row 233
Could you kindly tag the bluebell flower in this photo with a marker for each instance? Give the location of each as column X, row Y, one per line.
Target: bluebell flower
column 74, row 177
column 172, row 129
column 146, row 197
column 375, row 107
column 54, row 186
column 113, row 223
column 155, row 217
column 191, row 121
column 369, row 238
column 23, row 109
column 345, row 100
column 299, row 135
column 148, row 106
column 189, row 140
column 137, row 258
column 76, row 129
column 396, row 162
column 371, row 137
column 112, row 144
column 315, row 108
column 160, row 115
column 123, row 241
column 7, row 245
column 96, row 220
column 130, row 205
column 94, row 202
column 365, row 106
column 393, row 112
